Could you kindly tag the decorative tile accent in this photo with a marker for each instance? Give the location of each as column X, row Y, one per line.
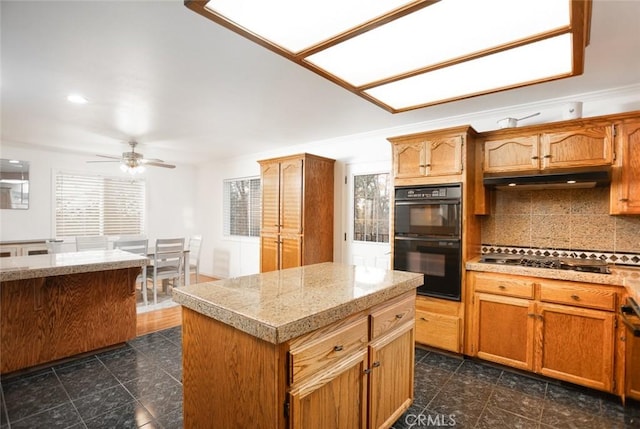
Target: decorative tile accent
column 632, row 259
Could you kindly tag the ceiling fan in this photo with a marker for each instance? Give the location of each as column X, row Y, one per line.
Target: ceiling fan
column 134, row 162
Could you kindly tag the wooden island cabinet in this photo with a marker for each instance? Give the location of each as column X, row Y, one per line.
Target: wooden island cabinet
column 316, row 346
column 61, row 305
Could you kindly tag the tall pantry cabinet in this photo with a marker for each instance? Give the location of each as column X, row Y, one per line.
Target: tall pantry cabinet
column 297, row 211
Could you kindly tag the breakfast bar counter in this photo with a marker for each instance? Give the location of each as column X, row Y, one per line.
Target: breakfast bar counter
column 56, row 306
column 256, row 348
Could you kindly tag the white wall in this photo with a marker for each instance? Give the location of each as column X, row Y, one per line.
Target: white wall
column 188, row 200
column 170, row 195
column 225, row 257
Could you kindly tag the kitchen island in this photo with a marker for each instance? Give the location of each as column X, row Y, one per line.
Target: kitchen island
column 55, row 306
column 324, row 345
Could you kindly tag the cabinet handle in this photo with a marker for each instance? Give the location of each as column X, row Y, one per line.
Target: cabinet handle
column 531, row 314
column 375, row 364
column 535, row 157
column 575, row 297
column 399, row 316
column 547, row 156
column 539, row 316
column 502, row 287
column 422, row 318
column 367, row 371
column 624, row 200
column 338, row 348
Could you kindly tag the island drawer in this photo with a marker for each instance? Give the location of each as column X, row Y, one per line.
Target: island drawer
column 326, row 346
column 599, row 298
column 504, row 285
column 389, row 316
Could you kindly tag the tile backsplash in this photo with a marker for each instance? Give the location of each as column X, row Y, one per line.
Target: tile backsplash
column 575, row 219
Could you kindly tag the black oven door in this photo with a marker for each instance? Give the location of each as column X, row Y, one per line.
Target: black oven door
column 428, row 218
column 438, row 260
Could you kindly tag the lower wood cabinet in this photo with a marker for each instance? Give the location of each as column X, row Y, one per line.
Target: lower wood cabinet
column 563, row 330
column 357, row 373
column 632, row 378
column 439, row 323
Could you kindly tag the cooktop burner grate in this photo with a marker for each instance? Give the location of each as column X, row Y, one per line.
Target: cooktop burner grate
column 574, row 264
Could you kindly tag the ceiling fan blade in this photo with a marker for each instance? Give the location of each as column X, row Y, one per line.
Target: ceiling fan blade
column 147, row 160
column 158, row 164
column 110, row 157
column 115, row 160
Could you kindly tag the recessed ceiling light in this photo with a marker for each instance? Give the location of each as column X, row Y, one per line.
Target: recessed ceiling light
column 77, row 99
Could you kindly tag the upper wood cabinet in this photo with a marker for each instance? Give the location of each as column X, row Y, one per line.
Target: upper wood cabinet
column 562, row 148
column 297, row 211
column 625, row 181
column 428, row 154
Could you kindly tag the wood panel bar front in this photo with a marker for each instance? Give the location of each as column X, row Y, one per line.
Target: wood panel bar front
column 44, row 319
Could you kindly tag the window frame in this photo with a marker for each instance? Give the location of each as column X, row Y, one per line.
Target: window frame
column 389, row 208
column 226, row 209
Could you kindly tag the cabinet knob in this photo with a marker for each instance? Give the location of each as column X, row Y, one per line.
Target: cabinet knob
column 376, row 364
column 338, row 348
column 399, row 316
column 575, row 297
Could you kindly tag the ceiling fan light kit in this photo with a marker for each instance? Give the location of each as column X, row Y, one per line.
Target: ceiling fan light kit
column 407, row 54
column 133, row 162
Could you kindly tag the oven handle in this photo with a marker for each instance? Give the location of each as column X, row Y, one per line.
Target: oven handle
column 633, row 310
column 428, row 239
column 455, row 201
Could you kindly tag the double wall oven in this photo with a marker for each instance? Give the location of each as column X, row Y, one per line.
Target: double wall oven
column 427, row 238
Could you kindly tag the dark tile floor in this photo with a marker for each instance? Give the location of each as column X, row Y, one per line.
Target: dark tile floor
column 139, row 386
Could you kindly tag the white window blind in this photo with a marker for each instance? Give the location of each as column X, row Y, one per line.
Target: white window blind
column 242, row 207
column 97, row 205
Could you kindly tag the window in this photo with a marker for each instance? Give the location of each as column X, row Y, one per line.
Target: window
column 242, row 207
column 97, row 205
column 371, row 207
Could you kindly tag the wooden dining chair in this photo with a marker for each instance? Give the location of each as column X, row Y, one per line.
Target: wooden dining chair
column 195, row 245
column 168, row 262
column 92, row 242
column 138, row 247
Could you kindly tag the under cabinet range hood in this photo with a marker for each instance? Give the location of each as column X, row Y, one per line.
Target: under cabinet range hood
column 538, row 180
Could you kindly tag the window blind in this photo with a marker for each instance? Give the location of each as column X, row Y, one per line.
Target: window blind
column 97, row 205
column 242, row 207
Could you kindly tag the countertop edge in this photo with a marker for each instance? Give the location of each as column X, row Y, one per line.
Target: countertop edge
column 295, row 328
column 25, row 274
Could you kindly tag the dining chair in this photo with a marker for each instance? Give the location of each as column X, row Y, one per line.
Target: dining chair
column 54, row 246
column 195, row 245
column 138, row 247
column 168, row 262
column 92, row 242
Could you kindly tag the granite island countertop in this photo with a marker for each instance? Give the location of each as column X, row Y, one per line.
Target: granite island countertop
column 281, row 305
column 628, row 277
column 57, row 264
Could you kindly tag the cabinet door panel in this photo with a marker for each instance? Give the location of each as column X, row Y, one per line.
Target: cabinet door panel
column 269, row 252
column 577, row 345
column 444, row 156
column 335, row 399
column 511, row 154
column 270, row 197
column 503, row 330
column 625, row 185
column 391, row 378
column 579, row 148
column 633, row 366
column 290, row 251
column 409, row 160
column 291, row 196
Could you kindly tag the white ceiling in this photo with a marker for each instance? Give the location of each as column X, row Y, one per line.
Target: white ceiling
column 190, row 91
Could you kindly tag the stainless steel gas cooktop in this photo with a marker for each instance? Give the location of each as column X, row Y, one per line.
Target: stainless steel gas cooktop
column 558, row 263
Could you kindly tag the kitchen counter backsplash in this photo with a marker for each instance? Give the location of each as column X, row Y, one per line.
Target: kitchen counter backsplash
column 576, row 219
column 627, row 259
